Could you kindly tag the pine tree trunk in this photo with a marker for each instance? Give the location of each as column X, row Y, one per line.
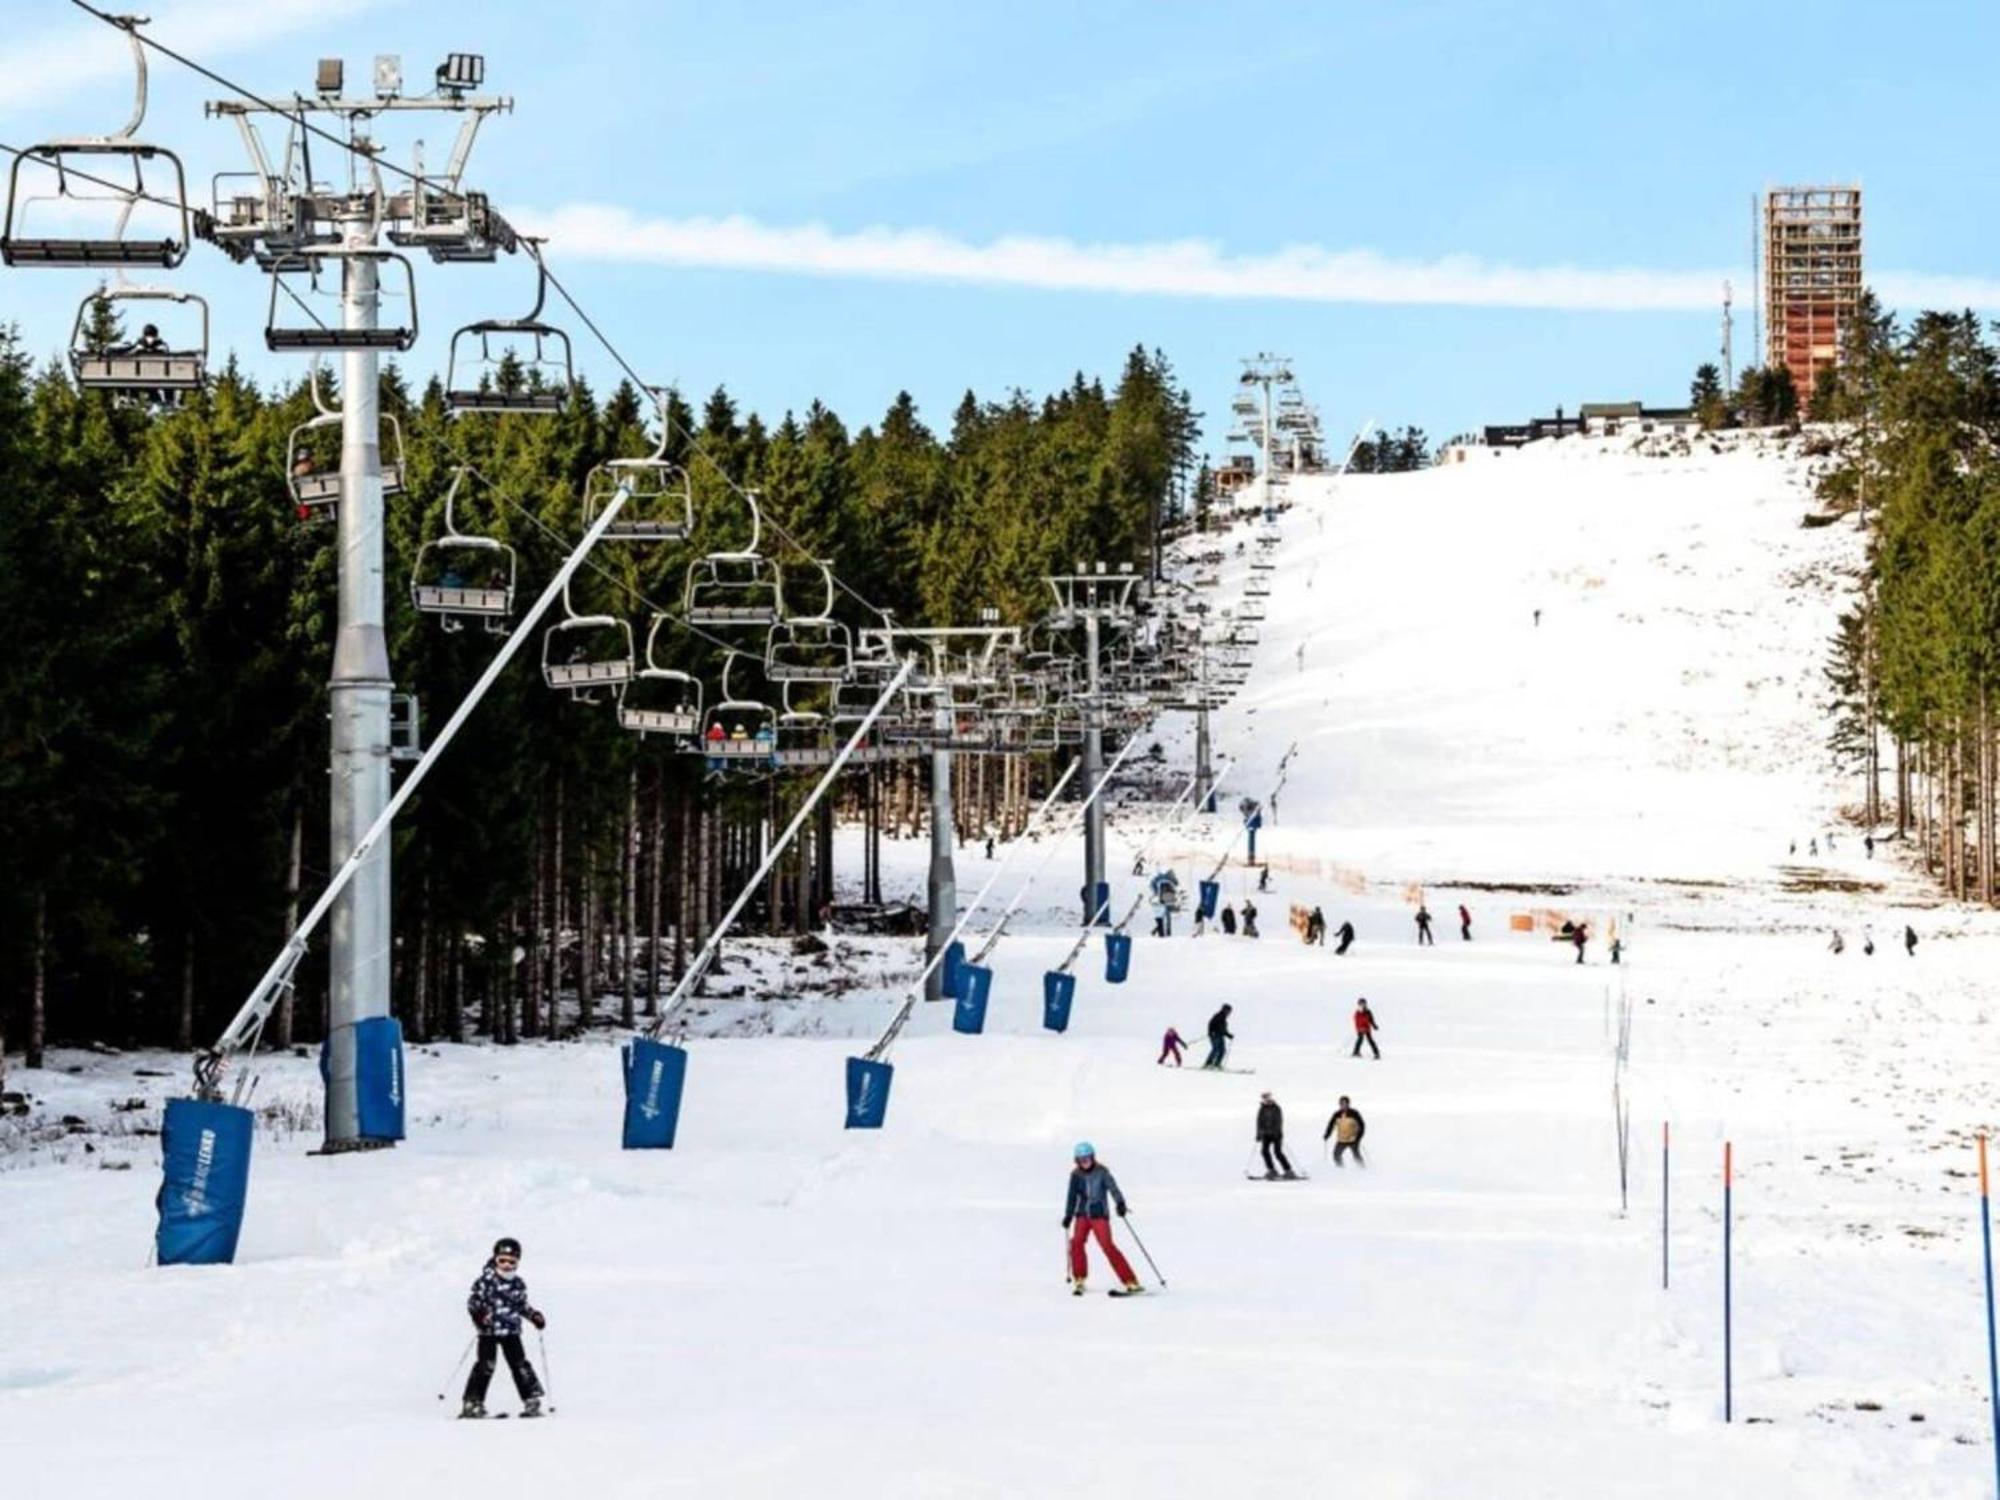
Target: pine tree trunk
column 654, row 864
column 686, row 830
column 559, row 918
column 586, row 926
column 424, row 987
column 454, row 989
column 184, row 1021
column 38, row 984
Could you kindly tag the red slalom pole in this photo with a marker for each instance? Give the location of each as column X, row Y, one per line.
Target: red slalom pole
column 1666, row 1194
column 1992, row 1357
column 1728, row 1309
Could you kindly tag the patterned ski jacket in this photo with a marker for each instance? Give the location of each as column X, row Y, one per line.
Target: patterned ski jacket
column 1092, row 1193
column 498, row 1303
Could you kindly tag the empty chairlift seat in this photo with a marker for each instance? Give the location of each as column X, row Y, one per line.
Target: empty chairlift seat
column 308, row 332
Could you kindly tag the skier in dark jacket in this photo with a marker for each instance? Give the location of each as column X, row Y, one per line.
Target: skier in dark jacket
column 1092, row 1192
column 1910, row 941
column 1229, row 921
column 498, row 1303
column 1316, row 927
column 1424, row 938
column 1346, row 935
column 1271, row 1139
column 1249, row 918
column 1345, row 1130
column 1219, row 1037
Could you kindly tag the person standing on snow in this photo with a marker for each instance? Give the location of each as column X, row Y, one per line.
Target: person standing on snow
column 1464, row 923
column 1264, row 879
column 1867, row 942
column 1579, row 935
column 1229, row 921
column 1219, row 1037
column 1170, row 1046
column 1910, row 941
column 1249, row 918
column 1837, row 946
column 1364, row 1030
column 1092, row 1193
column 1271, row 1139
column 498, row 1303
column 1316, row 928
column 1345, row 1130
column 1424, row 938
column 1346, row 938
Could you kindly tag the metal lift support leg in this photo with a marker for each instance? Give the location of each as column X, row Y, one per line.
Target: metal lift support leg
column 1093, row 769
column 248, row 1023
column 943, row 892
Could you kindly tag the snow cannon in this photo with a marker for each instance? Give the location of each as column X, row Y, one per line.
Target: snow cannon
column 867, row 1092
column 1211, row 895
column 205, row 1181
column 1058, row 990
column 655, row 1074
column 975, row 983
column 952, row 968
column 378, row 1077
column 1117, row 956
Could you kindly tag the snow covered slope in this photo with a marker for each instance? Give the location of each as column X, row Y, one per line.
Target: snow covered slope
column 778, row 1308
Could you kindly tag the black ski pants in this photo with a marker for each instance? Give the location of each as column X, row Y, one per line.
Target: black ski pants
column 1368, row 1037
column 1424, row 939
column 1341, row 1148
column 517, row 1366
column 1345, row 943
column 1275, row 1148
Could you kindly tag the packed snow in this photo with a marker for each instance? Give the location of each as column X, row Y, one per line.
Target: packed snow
column 778, row 1307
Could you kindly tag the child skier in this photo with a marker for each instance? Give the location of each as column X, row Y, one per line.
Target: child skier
column 1229, row 921
column 498, row 1303
column 1092, row 1192
column 1464, row 923
column 1364, row 1030
column 1170, row 1046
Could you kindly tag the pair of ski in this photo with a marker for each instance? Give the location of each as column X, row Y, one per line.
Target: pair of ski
column 1277, row 1177
column 1116, row 1291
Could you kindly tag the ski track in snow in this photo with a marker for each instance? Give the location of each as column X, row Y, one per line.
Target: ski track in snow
column 779, row 1308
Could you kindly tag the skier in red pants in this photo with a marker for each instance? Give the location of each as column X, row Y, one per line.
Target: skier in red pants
column 1092, row 1192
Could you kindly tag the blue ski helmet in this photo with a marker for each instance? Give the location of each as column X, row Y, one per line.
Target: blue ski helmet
column 1083, row 1149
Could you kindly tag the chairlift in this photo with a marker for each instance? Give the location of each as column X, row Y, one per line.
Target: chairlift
column 808, row 651
column 319, row 337
column 459, row 576
column 659, row 503
column 660, row 700
column 737, row 732
column 582, row 653
column 312, row 458
column 149, row 367
column 806, row 737
column 540, row 352
column 736, row 588
column 75, row 173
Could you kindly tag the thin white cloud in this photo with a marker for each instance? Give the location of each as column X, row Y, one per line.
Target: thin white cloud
column 1179, row 268
column 40, row 71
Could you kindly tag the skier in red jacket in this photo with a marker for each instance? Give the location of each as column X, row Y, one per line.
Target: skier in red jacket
column 1364, row 1030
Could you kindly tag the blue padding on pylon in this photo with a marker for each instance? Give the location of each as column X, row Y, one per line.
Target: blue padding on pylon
column 1117, row 956
column 1058, row 990
column 975, row 983
column 378, row 1078
column 1097, row 908
column 204, row 1182
column 1211, row 893
column 655, row 1075
column 953, row 967
column 867, row 1093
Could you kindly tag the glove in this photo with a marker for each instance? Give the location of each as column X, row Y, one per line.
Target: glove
column 1121, row 1210
column 537, row 1319
column 1065, row 1223
column 479, row 1321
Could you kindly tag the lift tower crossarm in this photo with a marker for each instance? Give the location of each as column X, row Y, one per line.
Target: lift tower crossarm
column 241, row 1034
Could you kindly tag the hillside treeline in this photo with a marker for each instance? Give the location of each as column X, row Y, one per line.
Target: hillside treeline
column 163, row 701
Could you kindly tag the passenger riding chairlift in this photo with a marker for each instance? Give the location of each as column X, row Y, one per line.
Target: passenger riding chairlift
column 315, row 482
column 471, row 382
column 660, row 700
column 737, row 732
column 580, row 652
column 739, row 588
column 659, row 505
column 56, row 161
column 147, row 368
column 320, row 337
column 442, row 577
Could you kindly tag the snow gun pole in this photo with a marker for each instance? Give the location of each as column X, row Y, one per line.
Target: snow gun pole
column 903, row 1012
column 1174, row 815
column 1242, row 824
column 1020, row 843
column 1021, row 892
column 1666, row 1193
column 709, row 949
column 1728, row 1307
column 1992, row 1348
column 247, row 1026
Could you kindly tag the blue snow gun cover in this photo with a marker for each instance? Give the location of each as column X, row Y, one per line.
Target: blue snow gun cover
column 1058, row 990
column 204, row 1181
column 975, row 983
column 655, row 1074
column 954, row 966
column 867, row 1093
column 1117, row 956
column 1211, row 893
column 378, row 1077
column 1097, row 906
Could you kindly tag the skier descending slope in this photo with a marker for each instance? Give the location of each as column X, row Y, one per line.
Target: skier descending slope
column 1345, row 1130
column 498, row 1303
column 1271, row 1139
column 1092, row 1192
column 1219, row 1037
column 1364, row 1030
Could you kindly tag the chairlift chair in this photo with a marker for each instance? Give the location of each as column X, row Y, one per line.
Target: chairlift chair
column 459, row 576
column 737, row 732
column 313, row 480
column 582, row 653
column 541, row 351
column 74, row 170
column 660, row 700
column 808, row 651
column 320, row 337
column 659, row 499
column 806, row 737
column 736, row 587
column 154, row 371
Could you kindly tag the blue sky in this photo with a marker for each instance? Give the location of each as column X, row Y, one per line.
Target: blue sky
column 1446, row 213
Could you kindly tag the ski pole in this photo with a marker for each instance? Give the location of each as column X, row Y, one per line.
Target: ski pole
column 548, row 1373
column 1144, row 1251
column 462, row 1355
